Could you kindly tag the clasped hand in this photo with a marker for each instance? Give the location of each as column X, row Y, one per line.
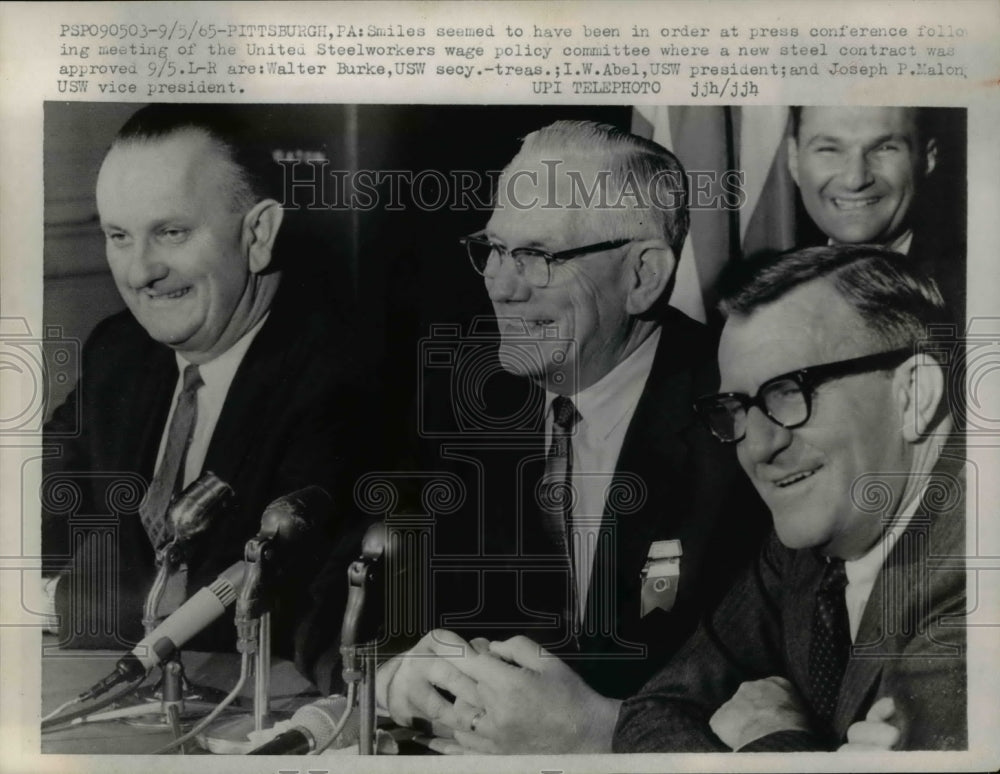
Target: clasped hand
column 758, row 708
column 762, row 707
column 509, row 697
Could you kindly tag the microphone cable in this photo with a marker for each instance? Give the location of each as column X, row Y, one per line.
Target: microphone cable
column 211, row 716
column 351, row 691
column 51, row 721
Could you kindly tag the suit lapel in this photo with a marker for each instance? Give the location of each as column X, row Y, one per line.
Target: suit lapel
column 800, row 604
column 144, row 423
column 647, row 472
column 900, row 592
column 867, row 657
column 261, row 375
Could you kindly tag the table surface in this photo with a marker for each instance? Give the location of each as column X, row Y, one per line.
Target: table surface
column 66, row 673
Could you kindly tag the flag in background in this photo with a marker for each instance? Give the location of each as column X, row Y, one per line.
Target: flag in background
column 709, row 141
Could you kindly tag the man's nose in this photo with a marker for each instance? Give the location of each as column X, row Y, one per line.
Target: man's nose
column 504, row 282
column 145, row 265
column 764, row 438
column 856, row 172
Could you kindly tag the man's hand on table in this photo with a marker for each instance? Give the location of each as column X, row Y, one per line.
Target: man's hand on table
column 874, row 732
column 527, row 701
column 407, row 685
column 758, row 708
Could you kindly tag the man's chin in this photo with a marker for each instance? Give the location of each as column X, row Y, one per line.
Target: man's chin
column 790, row 533
column 169, row 335
column 844, row 232
column 549, row 366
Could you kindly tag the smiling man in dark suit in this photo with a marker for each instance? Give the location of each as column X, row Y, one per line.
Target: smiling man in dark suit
column 862, row 171
column 221, row 363
column 850, row 627
column 622, row 519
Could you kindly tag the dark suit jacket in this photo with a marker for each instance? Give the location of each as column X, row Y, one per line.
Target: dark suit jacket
column 291, row 419
column 945, row 262
column 939, row 255
column 910, row 643
column 492, row 567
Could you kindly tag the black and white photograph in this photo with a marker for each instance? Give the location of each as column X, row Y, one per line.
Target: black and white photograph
column 632, row 415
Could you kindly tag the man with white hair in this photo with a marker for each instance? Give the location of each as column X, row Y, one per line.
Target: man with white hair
column 631, row 521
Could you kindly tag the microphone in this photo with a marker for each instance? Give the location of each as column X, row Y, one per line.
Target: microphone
column 190, row 514
column 195, row 508
column 288, row 518
column 184, row 623
column 284, row 521
column 360, row 573
column 358, row 663
column 313, row 728
column 292, row 516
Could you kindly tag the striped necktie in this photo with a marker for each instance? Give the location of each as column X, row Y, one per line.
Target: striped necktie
column 170, row 473
column 558, row 497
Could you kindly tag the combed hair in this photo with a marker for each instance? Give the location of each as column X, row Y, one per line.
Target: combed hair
column 922, row 119
column 896, row 301
column 251, row 166
column 635, row 165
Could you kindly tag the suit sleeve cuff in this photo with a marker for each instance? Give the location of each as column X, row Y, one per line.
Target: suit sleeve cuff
column 784, row 741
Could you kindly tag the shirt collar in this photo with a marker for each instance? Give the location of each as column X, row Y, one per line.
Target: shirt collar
column 864, row 569
column 604, row 404
column 900, row 244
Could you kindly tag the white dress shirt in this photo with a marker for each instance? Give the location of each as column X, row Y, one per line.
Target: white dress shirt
column 606, row 410
column 900, row 244
column 862, row 572
column 217, row 376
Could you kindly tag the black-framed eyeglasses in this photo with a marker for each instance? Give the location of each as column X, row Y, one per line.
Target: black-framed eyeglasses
column 786, row 399
column 532, row 264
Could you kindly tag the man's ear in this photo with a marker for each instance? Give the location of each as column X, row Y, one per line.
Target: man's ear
column 918, row 386
column 651, row 270
column 793, row 158
column 930, row 156
column 260, row 229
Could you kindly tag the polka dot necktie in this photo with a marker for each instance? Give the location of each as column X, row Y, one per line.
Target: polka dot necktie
column 557, row 496
column 830, row 647
column 169, row 475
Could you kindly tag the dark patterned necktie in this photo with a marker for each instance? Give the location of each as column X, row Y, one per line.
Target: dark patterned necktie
column 169, row 475
column 558, row 497
column 830, row 647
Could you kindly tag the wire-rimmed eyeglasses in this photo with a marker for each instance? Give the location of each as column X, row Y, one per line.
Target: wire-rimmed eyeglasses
column 533, row 264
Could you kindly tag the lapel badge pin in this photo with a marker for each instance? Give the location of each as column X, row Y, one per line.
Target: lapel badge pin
column 660, row 576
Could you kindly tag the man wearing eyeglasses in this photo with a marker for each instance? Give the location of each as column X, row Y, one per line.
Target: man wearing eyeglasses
column 636, row 518
column 850, row 629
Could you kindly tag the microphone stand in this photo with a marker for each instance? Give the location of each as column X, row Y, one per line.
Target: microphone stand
column 189, row 515
column 360, row 660
column 253, row 625
column 173, row 698
column 253, row 637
